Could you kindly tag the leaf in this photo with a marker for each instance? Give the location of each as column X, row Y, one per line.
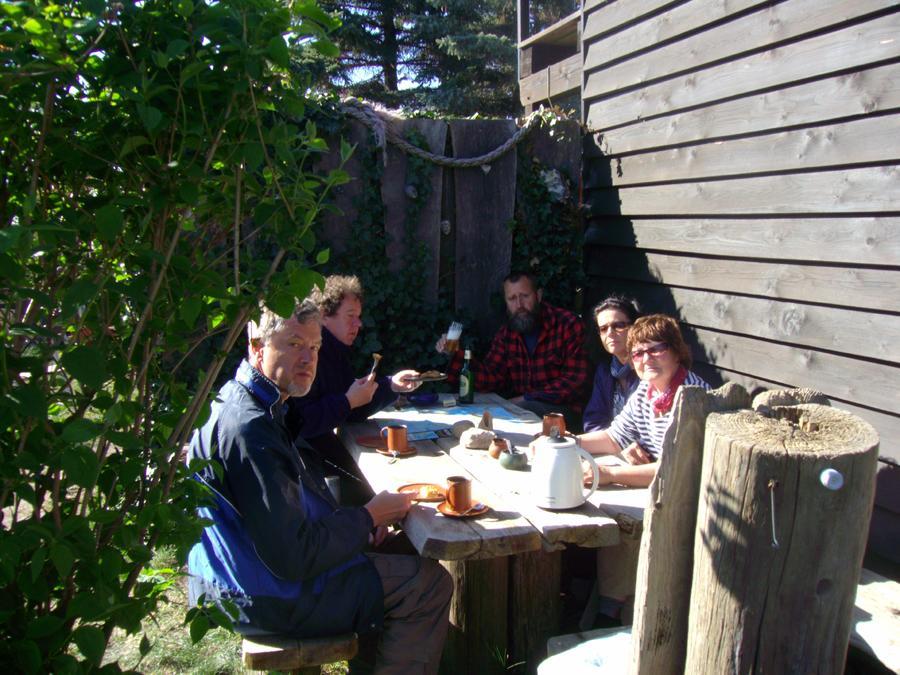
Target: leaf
column 281, row 302
column 189, row 192
column 9, row 237
column 63, row 664
column 192, row 69
column 184, row 8
column 199, row 628
column 36, row 27
column 322, row 257
column 38, row 558
column 91, row 642
column 278, row 51
column 311, row 10
column 307, row 241
column 87, row 365
column 103, row 517
column 81, row 430
column 108, row 221
column 27, row 655
column 63, row 559
column 131, row 143
column 125, row 440
column 145, row 646
column 81, row 467
column 253, row 155
column 43, row 626
column 79, row 294
column 150, row 116
column 190, row 309
column 326, row 48
column 177, row 47
column 346, row 150
column 216, row 318
column 302, row 281
column 29, row 401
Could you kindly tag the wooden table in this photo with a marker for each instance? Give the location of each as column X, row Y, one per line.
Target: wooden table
column 505, row 564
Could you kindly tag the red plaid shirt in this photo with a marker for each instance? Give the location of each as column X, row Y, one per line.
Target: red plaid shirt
column 556, row 373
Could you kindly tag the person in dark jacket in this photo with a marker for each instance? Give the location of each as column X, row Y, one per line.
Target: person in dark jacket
column 337, row 395
column 614, row 382
column 278, row 546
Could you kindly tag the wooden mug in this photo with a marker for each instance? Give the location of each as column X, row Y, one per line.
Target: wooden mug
column 459, row 493
column 554, row 420
column 396, row 437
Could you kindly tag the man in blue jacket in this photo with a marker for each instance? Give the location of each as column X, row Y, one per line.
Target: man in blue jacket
column 337, row 395
column 279, row 547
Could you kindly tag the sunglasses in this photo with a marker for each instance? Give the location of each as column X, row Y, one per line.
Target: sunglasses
column 652, row 350
column 617, row 326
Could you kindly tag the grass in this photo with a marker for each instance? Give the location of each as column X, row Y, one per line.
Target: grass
column 171, row 648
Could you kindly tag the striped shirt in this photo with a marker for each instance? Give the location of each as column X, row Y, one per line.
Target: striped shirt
column 637, row 422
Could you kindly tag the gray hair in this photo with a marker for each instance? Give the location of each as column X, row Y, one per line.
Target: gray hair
column 270, row 323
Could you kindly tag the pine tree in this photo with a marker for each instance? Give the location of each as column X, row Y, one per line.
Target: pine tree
column 450, row 57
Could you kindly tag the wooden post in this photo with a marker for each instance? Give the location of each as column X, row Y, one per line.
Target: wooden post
column 665, row 565
column 477, row 640
column 534, row 606
column 783, row 514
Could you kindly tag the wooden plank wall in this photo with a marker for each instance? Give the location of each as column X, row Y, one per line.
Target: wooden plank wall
column 742, row 173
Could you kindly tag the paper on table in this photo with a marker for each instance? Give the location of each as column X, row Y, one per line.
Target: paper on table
column 424, row 423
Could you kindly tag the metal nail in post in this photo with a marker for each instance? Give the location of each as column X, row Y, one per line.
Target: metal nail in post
column 772, row 485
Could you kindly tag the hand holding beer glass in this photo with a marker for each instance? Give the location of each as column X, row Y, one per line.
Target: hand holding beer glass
column 449, row 341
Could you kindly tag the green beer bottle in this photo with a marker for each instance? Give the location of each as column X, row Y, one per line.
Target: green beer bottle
column 466, row 381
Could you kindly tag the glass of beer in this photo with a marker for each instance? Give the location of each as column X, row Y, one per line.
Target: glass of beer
column 453, row 335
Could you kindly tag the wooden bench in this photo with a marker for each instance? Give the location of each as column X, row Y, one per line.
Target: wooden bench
column 876, row 619
column 297, row 656
column 875, row 629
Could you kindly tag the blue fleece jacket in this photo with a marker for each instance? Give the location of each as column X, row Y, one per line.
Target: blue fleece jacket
column 278, row 546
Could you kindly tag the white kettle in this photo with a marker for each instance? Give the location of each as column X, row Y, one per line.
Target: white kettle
column 556, row 473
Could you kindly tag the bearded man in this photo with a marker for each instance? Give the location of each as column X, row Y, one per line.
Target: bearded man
column 537, row 358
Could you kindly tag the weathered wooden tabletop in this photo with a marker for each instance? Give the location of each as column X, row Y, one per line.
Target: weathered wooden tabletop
column 514, row 524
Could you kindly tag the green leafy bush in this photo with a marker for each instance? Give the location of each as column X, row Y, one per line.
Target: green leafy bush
column 155, row 183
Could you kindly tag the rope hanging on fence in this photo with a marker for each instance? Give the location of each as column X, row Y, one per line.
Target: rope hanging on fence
column 383, row 130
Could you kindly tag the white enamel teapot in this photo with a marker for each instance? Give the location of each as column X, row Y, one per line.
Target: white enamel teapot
column 556, row 472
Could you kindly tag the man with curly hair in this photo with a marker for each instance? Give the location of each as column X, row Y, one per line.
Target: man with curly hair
column 337, row 394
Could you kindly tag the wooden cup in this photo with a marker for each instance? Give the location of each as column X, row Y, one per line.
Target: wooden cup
column 554, row 420
column 459, row 493
column 498, row 445
column 396, row 437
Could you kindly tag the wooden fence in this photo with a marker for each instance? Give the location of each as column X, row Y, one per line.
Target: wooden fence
column 743, row 176
column 465, row 221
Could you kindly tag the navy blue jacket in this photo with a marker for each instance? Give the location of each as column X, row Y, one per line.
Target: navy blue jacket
column 278, row 546
column 598, row 413
column 325, row 406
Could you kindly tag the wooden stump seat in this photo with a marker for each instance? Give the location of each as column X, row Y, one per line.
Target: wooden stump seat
column 275, row 652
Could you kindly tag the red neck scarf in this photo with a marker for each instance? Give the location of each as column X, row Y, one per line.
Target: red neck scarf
column 662, row 402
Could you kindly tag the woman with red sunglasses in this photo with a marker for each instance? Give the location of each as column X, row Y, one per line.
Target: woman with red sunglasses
column 662, row 361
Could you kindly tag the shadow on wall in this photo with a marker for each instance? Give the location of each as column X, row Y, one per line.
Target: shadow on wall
column 614, row 264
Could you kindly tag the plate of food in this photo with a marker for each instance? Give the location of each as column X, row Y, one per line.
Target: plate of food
column 428, row 376
column 424, row 492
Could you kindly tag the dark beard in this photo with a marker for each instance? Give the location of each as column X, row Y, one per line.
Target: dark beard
column 525, row 322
